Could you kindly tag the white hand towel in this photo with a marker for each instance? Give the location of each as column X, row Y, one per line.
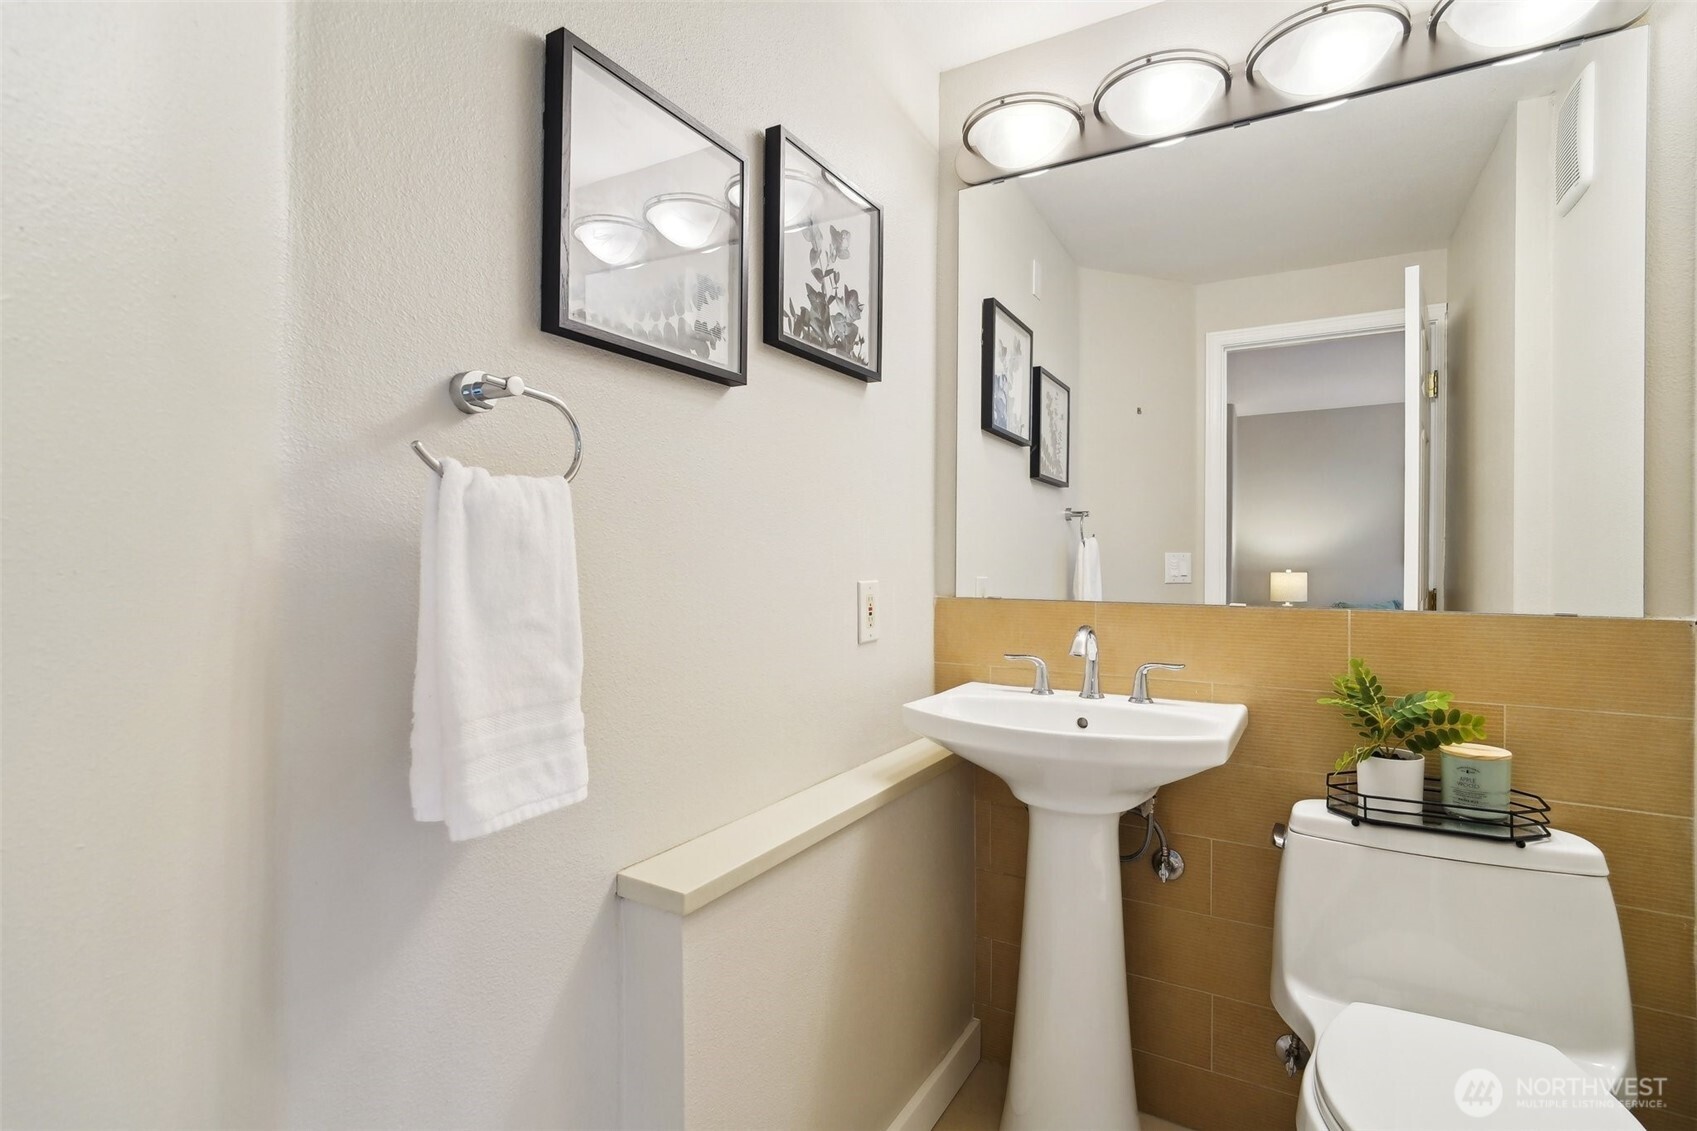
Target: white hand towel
column 497, row 729
column 1087, row 570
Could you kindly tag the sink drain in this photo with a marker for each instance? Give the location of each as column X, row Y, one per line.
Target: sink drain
column 1083, row 723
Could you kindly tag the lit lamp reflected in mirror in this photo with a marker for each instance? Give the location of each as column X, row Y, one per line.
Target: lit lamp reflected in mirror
column 1289, row 588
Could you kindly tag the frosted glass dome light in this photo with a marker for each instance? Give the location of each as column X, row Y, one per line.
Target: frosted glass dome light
column 1017, row 131
column 688, row 219
column 1161, row 93
column 615, row 240
column 1329, row 48
column 802, row 195
column 1500, row 24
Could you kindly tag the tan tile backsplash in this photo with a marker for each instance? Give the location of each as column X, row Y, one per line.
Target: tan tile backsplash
column 1598, row 713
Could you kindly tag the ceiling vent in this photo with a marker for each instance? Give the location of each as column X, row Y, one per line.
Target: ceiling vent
column 1576, row 140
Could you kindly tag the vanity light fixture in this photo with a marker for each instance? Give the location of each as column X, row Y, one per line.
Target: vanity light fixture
column 1500, row 24
column 615, row 240
column 1162, row 92
column 1169, row 142
column 1018, row 130
column 1328, row 48
column 689, row 219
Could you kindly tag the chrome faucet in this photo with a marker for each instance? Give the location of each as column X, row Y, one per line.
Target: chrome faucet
column 1140, row 685
column 1084, row 644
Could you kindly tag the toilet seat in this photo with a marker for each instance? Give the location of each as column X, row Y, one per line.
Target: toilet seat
column 1381, row 1069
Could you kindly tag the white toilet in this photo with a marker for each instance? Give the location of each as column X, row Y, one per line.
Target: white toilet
column 1449, row 982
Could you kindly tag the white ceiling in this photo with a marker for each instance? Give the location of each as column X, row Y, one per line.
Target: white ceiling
column 1308, row 377
column 953, row 33
column 1379, row 175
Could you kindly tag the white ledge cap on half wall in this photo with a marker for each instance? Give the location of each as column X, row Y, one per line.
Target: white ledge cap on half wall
column 687, row 878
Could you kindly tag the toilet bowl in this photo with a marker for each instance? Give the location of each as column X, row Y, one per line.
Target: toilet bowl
column 1445, row 982
column 1379, row 1069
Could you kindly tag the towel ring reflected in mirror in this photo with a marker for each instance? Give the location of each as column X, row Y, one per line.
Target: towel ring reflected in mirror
column 472, row 392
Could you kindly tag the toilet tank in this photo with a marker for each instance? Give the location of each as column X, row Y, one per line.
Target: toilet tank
column 1522, row 940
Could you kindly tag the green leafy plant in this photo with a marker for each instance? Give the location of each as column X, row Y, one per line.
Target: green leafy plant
column 1412, row 723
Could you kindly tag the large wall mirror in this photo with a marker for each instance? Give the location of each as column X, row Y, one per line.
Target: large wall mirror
column 1386, row 353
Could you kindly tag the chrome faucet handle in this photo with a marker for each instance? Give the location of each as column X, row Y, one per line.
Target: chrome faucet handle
column 1042, row 684
column 1140, row 685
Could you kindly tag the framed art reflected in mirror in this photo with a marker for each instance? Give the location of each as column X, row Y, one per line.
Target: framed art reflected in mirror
column 1005, row 371
column 644, row 240
column 823, row 254
column 1051, row 429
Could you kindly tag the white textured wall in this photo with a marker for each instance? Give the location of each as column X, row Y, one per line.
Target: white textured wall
column 721, row 532
column 143, row 281
column 1136, row 351
column 1009, row 526
column 1479, row 551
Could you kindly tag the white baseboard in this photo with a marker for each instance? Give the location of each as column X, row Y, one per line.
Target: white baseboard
column 928, row 1104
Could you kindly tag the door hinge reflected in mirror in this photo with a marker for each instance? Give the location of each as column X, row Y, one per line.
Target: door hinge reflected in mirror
column 1432, row 385
column 1431, row 600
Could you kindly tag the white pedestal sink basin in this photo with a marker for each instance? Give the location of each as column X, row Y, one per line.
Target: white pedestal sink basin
column 1078, row 763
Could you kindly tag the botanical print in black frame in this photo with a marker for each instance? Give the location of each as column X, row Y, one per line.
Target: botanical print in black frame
column 643, row 250
column 823, row 259
column 1007, row 347
column 1051, row 428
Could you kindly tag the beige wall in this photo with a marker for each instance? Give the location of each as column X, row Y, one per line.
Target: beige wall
column 208, row 842
column 1479, row 559
column 1597, row 323
column 1009, row 526
column 1199, row 950
column 820, row 995
column 143, row 274
column 720, row 536
column 1135, row 352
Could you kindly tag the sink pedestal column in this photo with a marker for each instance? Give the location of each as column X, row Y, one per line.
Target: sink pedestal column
column 1071, row 1064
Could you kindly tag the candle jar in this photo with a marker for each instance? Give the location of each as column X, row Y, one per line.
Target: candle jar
column 1476, row 778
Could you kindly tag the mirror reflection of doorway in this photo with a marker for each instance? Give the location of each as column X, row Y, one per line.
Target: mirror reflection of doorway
column 1316, row 472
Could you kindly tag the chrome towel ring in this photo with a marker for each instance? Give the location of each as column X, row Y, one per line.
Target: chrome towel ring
column 472, row 391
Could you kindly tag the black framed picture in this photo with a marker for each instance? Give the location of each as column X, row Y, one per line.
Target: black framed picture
column 1006, row 364
column 644, row 242
column 1051, row 428
column 823, row 255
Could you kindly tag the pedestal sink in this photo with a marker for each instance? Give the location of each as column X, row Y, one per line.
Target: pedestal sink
column 1078, row 763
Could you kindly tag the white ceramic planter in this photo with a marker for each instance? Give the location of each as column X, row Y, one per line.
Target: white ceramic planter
column 1401, row 782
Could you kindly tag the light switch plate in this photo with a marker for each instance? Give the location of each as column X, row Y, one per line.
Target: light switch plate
column 1036, row 278
column 1178, row 569
column 867, row 593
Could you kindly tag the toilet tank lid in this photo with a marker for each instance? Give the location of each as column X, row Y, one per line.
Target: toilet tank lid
column 1562, row 852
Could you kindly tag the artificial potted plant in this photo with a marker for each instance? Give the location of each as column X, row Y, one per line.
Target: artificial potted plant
column 1391, row 763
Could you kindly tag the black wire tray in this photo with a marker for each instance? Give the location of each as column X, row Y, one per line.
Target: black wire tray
column 1526, row 819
